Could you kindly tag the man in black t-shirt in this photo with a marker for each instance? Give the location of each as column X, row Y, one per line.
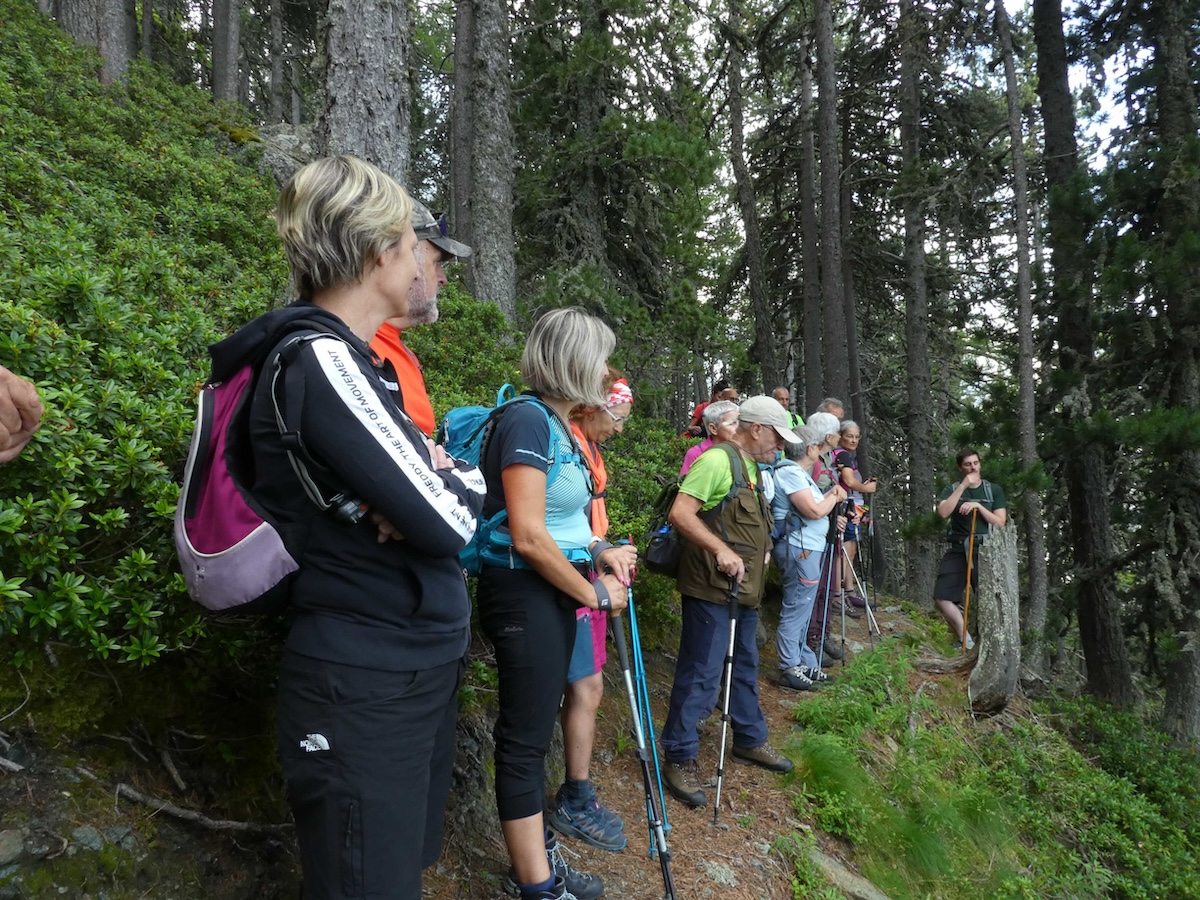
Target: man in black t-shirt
column 972, row 503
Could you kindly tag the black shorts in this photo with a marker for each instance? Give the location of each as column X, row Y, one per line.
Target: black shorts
column 951, row 581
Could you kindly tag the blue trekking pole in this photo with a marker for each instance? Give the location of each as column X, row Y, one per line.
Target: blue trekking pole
column 655, row 815
column 643, row 708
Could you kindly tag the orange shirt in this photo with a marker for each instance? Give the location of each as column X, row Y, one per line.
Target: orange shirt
column 414, row 398
column 591, row 453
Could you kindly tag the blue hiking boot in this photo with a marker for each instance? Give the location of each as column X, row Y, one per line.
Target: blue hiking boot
column 587, row 820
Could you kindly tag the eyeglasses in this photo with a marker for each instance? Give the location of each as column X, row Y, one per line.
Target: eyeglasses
column 617, row 420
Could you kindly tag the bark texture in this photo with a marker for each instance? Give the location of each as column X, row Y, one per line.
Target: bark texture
column 920, row 550
column 116, row 38
column 810, row 247
column 367, row 110
column 835, row 368
column 1035, row 534
column 462, row 128
column 1069, row 220
column 226, row 48
column 1177, row 290
column 763, row 349
column 493, row 265
column 996, row 606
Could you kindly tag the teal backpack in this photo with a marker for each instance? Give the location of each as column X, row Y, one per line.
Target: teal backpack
column 464, row 433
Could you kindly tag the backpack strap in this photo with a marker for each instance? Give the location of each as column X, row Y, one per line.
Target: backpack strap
column 287, row 399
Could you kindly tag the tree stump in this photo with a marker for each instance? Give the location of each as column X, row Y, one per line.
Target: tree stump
column 996, row 605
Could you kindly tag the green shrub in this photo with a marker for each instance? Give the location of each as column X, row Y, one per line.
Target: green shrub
column 129, row 239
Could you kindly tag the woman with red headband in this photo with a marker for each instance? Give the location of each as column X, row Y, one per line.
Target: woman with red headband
column 577, row 812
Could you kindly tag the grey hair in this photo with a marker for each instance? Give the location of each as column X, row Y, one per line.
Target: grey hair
column 334, row 216
column 825, row 423
column 807, row 435
column 566, row 356
column 716, row 411
column 824, row 405
column 848, row 423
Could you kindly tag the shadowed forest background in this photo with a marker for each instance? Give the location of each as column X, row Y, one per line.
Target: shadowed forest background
column 976, row 230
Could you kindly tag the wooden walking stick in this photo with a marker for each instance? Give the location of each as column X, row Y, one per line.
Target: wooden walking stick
column 967, row 594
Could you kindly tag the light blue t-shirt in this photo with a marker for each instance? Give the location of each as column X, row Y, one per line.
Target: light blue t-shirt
column 805, row 534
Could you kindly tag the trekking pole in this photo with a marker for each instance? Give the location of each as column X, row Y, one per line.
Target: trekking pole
column 871, row 621
column 967, row 592
column 826, row 577
column 647, row 715
column 733, row 617
column 654, row 807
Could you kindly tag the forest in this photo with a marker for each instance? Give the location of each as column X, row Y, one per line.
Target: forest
column 977, row 223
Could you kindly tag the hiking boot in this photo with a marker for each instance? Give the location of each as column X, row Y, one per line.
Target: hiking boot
column 587, row 820
column 579, row 885
column 832, row 648
column 796, row 679
column 765, row 756
column 575, row 885
column 816, row 675
column 683, row 781
column 558, row 892
column 856, row 600
column 852, row 612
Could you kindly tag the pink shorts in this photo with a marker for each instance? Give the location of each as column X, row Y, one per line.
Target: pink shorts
column 591, row 644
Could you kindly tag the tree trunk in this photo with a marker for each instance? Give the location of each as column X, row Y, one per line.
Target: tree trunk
column 1035, row 623
column 278, row 82
column 367, row 110
column 462, row 128
column 297, row 106
column 147, row 35
column 996, row 604
column 116, row 38
column 493, row 265
column 1108, row 670
column 835, row 370
column 810, row 250
column 763, row 349
column 78, row 19
column 226, row 48
column 920, row 550
column 1177, row 288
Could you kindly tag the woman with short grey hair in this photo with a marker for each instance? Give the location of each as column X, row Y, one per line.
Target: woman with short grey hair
column 720, row 420
column 534, row 576
column 801, row 530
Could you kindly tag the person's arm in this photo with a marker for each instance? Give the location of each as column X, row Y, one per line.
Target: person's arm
column 996, row 518
column 347, row 423
column 525, row 500
column 812, row 509
column 20, row 414
column 848, row 476
column 947, row 507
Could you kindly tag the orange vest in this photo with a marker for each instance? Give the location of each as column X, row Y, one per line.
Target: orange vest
column 413, row 396
column 591, row 453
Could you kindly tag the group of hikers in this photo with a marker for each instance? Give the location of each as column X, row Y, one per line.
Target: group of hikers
column 379, row 606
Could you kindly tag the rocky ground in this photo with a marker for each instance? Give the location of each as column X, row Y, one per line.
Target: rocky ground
column 130, row 830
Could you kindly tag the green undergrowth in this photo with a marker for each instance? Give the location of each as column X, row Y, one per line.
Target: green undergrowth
column 1069, row 799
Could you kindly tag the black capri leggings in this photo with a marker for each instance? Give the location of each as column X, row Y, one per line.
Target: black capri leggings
column 532, row 626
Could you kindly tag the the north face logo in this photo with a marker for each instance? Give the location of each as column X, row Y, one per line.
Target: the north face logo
column 314, row 742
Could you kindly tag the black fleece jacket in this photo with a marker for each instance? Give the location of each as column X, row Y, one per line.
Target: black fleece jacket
column 396, row 606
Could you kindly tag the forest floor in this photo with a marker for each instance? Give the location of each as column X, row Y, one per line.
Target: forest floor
column 737, row 858
column 69, row 835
